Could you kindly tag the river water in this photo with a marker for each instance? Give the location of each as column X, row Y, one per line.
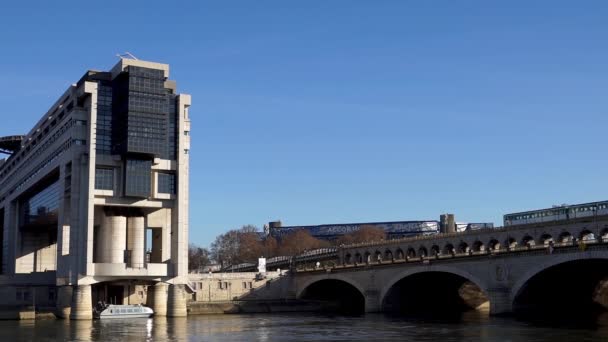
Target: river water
column 296, row 327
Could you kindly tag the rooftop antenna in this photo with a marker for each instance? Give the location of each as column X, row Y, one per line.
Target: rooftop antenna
column 126, row 55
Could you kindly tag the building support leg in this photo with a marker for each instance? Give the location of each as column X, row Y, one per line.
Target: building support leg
column 82, row 302
column 176, row 303
column 63, row 306
column 157, row 299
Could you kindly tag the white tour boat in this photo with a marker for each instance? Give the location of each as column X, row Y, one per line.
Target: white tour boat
column 102, row 310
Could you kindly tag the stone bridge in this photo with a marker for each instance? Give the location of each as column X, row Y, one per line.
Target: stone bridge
column 515, row 269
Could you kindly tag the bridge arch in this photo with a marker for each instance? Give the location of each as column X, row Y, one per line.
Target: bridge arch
column 358, row 258
column 377, row 256
column 478, row 246
column 510, row 242
column 342, row 294
column 604, row 234
column 545, row 239
column 388, row 255
column 578, row 276
column 439, row 285
column 448, row 249
column 586, row 235
column 494, row 244
column 435, row 250
column 399, row 255
column 463, row 247
column 565, row 237
column 411, row 252
column 527, row 241
column 348, row 259
column 423, row 252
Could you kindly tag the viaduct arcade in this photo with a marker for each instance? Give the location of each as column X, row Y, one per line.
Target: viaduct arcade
column 554, row 268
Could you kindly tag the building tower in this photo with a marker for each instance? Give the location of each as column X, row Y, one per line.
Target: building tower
column 94, row 199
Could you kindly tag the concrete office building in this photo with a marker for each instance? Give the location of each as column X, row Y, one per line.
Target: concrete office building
column 94, row 199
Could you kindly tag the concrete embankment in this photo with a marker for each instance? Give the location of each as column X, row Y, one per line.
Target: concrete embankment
column 25, row 313
column 239, row 307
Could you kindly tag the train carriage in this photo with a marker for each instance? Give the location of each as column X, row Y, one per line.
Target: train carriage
column 557, row 213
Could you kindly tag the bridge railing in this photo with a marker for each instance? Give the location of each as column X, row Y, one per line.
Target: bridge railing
column 502, row 229
column 555, row 248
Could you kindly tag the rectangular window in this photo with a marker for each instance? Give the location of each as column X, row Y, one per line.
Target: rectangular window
column 104, row 178
column 138, row 178
column 166, row 183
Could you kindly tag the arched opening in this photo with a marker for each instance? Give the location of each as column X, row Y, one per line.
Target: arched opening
column 358, row 258
column 448, row 249
column 422, row 251
column 367, row 257
column 463, row 247
column 587, row 236
column 348, row 259
column 435, row 250
column 604, row 235
column 400, row 255
column 411, row 253
column 479, row 247
column 572, row 292
column 336, row 296
column 494, row 245
column 565, row 238
column 527, row 241
column 546, row 239
column 434, row 294
column 378, row 257
column 388, row 255
column 511, row 243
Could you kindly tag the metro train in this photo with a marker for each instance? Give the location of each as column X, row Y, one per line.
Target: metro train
column 557, row 213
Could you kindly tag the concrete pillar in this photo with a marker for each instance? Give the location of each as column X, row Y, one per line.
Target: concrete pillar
column 137, row 253
column 63, row 305
column 129, row 234
column 119, row 239
column 176, row 303
column 157, row 299
column 105, row 239
column 82, row 302
column 500, row 301
column 372, row 301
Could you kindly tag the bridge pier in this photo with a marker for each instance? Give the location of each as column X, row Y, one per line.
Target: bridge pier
column 373, row 302
column 500, row 301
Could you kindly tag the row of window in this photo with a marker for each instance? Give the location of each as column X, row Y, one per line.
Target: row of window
column 560, row 211
column 104, row 179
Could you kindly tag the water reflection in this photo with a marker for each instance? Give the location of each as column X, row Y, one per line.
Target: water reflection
column 472, row 326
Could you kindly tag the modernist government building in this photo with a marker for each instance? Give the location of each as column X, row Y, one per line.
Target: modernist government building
column 94, row 199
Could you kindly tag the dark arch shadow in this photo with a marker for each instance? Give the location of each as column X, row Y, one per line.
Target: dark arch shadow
column 434, row 294
column 337, row 296
column 572, row 293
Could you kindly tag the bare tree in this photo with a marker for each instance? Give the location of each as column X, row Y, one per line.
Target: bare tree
column 198, row 258
column 237, row 246
column 366, row 233
column 299, row 241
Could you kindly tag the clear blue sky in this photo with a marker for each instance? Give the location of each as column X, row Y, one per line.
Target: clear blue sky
column 342, row 111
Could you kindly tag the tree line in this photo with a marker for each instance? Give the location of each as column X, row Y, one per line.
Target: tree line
column 247, row 244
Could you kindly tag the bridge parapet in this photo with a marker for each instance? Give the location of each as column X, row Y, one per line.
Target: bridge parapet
column 503, row 239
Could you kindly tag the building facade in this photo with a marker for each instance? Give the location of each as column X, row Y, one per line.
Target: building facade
column 94, row 199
